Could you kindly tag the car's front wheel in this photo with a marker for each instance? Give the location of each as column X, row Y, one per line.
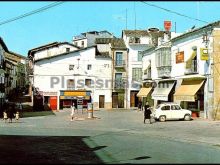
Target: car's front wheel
column 162, row 118
column 187, row 117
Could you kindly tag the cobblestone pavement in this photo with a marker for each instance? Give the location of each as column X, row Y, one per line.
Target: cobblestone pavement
column 112, row 136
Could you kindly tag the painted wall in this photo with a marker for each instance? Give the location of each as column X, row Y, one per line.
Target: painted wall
column 52, row 74
column 53, row 51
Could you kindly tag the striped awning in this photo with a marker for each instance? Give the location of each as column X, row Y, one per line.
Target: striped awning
column 163, row 93
column 188, row 90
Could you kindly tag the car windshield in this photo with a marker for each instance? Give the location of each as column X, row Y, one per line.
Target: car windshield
column 158, row 106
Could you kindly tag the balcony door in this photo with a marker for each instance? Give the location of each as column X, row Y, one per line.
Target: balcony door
column 118, row 61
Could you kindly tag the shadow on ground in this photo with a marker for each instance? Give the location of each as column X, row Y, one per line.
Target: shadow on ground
column 46, row 150
column 36, row 113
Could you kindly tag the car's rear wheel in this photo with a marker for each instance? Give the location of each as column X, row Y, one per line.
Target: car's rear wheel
column 187, row 117
column 162, row 118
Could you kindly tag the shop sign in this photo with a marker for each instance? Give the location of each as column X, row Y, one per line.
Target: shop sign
column 180, row 57
column 204, row 54
column 167, row 25
column 185, row 98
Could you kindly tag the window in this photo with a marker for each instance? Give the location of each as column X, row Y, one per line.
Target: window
column 118, row 80
column 137, row 40
column 175, row 107
column 70, row 83
column 71, row 67
column 131, row 40
column 137, row 74
column 139, row 58
column 82, row 43
column 163, row 57
column 118, row 61
column 89, row 67
column 88, row 82
column 67, row 49
column 165, row 108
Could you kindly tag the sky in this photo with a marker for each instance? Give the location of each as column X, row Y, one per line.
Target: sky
column 61, row 23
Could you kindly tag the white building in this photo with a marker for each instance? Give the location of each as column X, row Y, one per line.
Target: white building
column 137, row 41
column 191, row 67
column 88, row 38
column 65, row 78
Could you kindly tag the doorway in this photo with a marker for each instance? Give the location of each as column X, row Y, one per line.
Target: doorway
column 101, row 101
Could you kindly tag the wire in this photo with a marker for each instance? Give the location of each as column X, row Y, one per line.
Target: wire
column 173, row 12
column 32, row 12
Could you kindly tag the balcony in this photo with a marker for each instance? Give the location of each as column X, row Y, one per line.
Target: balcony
column 191, row 67
column 119, row 84
column 147, row 75
column 164, row 71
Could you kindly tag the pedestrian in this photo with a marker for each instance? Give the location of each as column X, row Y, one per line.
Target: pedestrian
column 5, row 116
column 147, row 113
column 11, row 112
column 72, row 111
column 140, row 105
column 17, row 116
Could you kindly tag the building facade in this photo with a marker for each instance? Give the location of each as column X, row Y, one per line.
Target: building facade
column 82, row 74
column 137, row 41
column 117, row 50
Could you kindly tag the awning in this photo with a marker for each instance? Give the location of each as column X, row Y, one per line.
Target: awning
column 187, row 90
column 143, row 92
column 189, row 61
column 162, row 93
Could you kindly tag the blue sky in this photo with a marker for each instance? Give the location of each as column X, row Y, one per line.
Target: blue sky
column 71, row 18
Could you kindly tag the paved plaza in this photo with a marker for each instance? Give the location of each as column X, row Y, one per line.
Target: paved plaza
column 112, row 136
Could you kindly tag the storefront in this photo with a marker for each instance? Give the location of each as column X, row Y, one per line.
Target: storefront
column 50, row 100
column 77, row 96
column 164, row 91
column 190, row 95
column 144, row 95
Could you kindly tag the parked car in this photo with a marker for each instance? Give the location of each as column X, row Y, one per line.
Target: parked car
column 171, row 111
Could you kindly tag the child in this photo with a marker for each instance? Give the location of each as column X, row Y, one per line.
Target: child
column 5, row 117
column 72, row 111
column 17, row 116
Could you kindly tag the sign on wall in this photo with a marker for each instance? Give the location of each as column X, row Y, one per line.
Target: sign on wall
column 179, row 57
column 204, row 55
column 167, row 25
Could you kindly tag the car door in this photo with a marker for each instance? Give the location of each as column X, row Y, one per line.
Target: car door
column 176, row 112
column 166, row 111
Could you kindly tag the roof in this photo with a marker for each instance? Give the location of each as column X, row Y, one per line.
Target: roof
column 50, row 45
column 18, row 55
column 115, row 42
column 62, row 54
column 211, row 25
column 136, row 32
column 3, row 44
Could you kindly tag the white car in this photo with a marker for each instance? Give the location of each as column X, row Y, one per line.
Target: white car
column 171, row 111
